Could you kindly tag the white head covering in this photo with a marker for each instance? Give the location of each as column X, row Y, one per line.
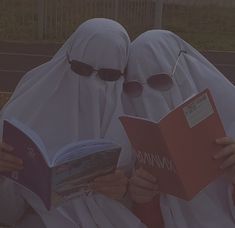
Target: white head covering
column 63, row 107
column 155, row 52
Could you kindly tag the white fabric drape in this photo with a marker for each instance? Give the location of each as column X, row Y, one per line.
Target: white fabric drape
column 63, row 107
column 155, row 52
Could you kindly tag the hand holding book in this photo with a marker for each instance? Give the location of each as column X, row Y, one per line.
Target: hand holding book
column 61, row 177
column 9, row 162
column 178, row 149
column 227, row 154
column 113, row 185
column 143, row 186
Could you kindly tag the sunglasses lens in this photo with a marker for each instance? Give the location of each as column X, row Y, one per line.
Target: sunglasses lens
column 109, row 74
column 133, row 89
column 80, row 68
column 160, row 82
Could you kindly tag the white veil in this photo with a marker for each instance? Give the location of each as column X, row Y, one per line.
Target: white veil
column 155, row 52
column 63, row 107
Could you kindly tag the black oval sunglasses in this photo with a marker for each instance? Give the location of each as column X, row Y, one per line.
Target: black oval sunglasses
column 86, row 70
column 161, row 82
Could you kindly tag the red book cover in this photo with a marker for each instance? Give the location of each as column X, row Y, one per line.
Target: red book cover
column 179, row 149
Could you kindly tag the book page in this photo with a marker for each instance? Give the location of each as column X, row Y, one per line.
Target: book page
column 80, row 149
column 73, row 178
column 198, row 110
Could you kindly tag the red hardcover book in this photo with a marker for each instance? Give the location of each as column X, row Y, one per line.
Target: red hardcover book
column 179, row 149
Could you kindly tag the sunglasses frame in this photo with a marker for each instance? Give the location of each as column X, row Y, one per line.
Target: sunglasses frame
column 171, row 75
column 92, row 69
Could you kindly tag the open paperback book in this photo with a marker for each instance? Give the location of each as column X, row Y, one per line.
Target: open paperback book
column 68, row 174
column 179, row 149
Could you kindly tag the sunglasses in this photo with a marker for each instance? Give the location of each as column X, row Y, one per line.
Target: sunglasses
column 86, row 70
column 161, row 82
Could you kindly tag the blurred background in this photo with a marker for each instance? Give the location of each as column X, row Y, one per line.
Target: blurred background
column 32, row 30
column 206, row 24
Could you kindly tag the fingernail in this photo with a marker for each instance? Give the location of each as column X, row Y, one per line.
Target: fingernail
column 9, row 147
column 96, row 179
column 221, row 167
column 18, row 161
column 92, row 184
column 21, row 161
column 156, row 188
column 118, row 171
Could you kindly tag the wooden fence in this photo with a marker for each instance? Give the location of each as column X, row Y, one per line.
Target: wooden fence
column 57, row 19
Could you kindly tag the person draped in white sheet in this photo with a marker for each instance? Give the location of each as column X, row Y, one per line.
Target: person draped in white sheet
column 69, row 99
column 163, row 71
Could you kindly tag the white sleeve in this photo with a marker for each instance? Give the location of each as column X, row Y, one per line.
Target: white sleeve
column 12, row 204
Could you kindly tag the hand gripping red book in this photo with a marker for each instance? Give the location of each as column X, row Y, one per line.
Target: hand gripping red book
column 179, row 149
